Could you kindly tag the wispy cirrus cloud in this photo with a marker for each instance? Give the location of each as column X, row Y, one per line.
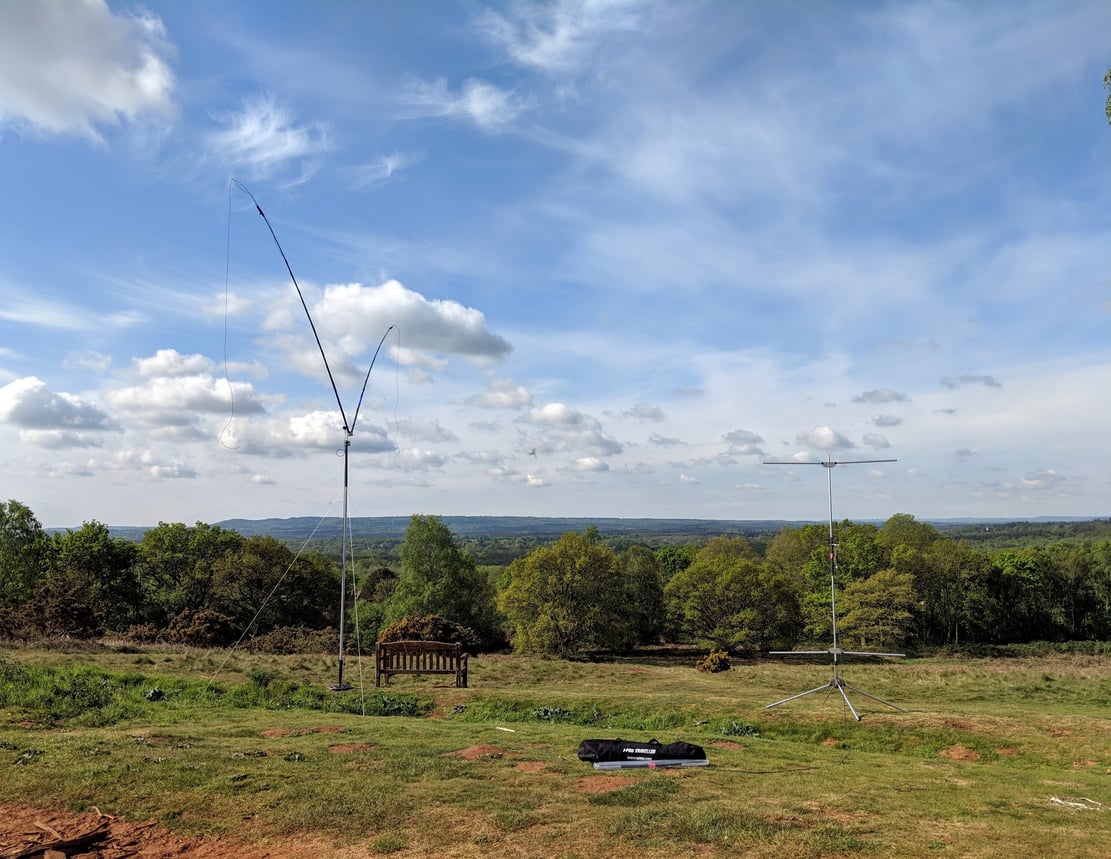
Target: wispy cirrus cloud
column 264, row 139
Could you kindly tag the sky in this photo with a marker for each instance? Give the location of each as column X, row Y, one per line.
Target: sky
column 623, row 253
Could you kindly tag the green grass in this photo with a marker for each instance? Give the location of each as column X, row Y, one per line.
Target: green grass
column 262, row 751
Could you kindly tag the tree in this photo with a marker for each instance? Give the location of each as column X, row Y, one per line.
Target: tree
column 728, row 599
column 567, row 599
column 107, row 564
column 644, row 596
column 24, row 554
column 439, row 578
column 878, row 609
column 263, row 581
column 177, row 566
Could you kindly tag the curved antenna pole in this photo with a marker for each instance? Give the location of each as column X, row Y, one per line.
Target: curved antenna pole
column 348, row 432
column 301, row 296
column 359, row 405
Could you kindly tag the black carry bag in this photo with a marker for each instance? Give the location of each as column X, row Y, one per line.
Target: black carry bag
column 602, row 751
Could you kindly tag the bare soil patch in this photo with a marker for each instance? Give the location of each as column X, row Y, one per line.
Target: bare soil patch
column 960, row 753
column 728, row 744
column 29, row 832
column 531, row 766
column 474, row 753
column 603, row 783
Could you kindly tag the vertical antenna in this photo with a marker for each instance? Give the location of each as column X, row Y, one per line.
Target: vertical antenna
column 348, row 432
column 835, row 651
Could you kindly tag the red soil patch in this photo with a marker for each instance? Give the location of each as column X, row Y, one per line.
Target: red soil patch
column 831, row 741
column 348, row 748
column 960, row 753
column 1080, row 765
column 728, row 744
column 530, row 766
column 1007, row 752
column 603, row 783
column 101, row 836
column 474, row 753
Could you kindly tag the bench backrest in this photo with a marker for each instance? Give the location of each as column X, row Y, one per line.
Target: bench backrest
column 417, row 656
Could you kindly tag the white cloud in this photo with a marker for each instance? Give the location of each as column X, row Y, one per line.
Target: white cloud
column 179, row 400
column 169, row 362
column 560, row 36
column 426, row 430
column 968, row 379
column 875, row 440
column 263, row 139
column 644, row 412
column 487, row 106
column 886, row 421
column 502, row 394
column 29, row 404
column 355, row 317
column 744, row 442
column 883, row 395
column 382, row 169
column 565, row 429
column 824, row 438
column 658, row 440
column 73, row 67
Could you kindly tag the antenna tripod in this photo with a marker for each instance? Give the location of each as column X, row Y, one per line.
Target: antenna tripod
column 836, row 652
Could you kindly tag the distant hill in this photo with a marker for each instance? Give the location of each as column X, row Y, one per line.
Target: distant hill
column 302, row 528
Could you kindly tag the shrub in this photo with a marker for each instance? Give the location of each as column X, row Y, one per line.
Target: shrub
column 295, row 639
column 714, row 662
column 429, row 627
column 204, row 628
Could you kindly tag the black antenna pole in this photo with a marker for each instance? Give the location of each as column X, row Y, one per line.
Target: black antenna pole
column 835, row 652
column 348, row 432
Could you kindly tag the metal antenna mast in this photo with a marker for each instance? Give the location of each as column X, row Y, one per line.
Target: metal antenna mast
column 348, row 432
column 836, row 652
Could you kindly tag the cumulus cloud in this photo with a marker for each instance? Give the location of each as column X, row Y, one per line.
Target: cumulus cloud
column 30, row 405
column 689, row 480
column 967, row 379
column 824, row 438
column 883, row 395
column 356, row 316
column 875, row 440
column 263, row 139
column 416, row 459
column 663, row 441
column 179, row 400
column 744, row 442
column 169, row 362
column 487, row 106
column 300, row 434
column 590, row 463
column 71, row 67
column 502, row 394
column 886, row 421
column 563, row 428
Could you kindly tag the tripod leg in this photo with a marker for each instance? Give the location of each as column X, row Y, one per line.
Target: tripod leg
column 848, row 703
column 800, row 695
column 877, row 700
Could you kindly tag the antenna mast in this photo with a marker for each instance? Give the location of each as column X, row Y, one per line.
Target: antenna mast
column 348, row 432
column 836, row 652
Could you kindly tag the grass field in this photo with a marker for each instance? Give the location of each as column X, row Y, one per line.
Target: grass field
column 996, row 758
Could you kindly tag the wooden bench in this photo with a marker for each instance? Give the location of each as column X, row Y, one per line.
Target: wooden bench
column 420, row 657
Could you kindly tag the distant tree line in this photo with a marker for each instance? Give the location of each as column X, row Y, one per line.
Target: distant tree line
column 899, row 584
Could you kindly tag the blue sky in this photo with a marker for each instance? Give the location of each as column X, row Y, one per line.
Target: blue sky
column 630, row 250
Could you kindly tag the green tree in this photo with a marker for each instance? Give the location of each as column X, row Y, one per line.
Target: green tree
column 878, row 610
column 902, row 529
column 177, row 566
column 439, row 578
column 24, row 554
column 107, row 564
column 262, row 581
column 728, row 599
column 567, row 599
column 644, row 595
